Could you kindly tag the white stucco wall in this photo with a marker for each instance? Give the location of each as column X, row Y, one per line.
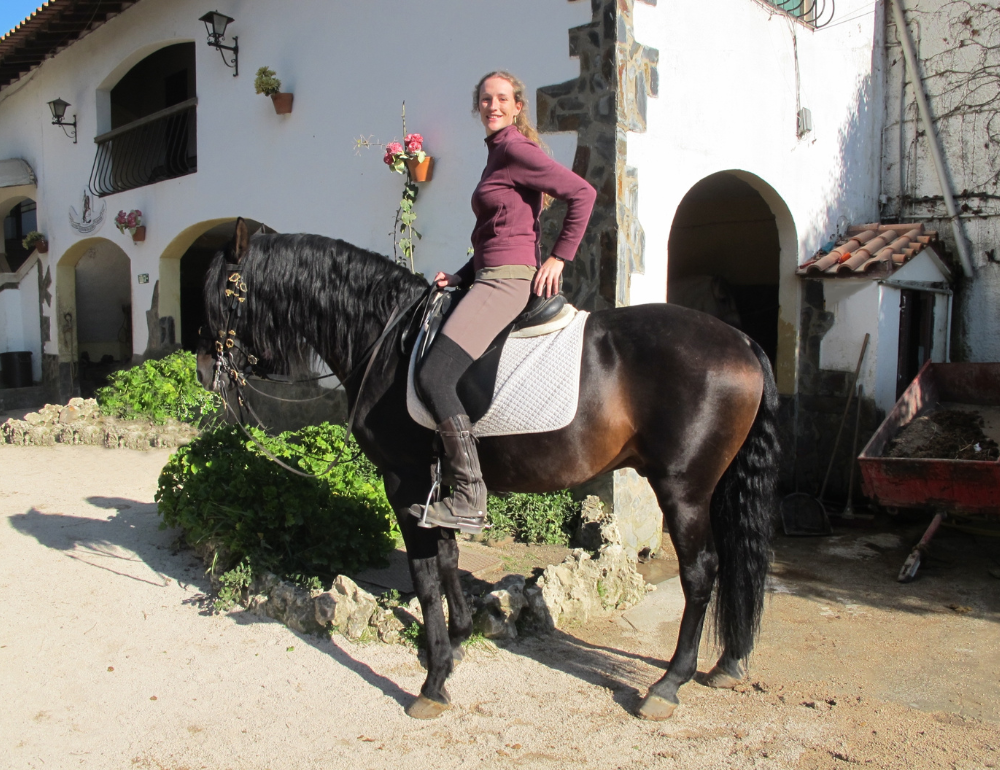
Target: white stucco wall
column 861, row 306
column 350, row 66
column 20, row 328
column 727, row 100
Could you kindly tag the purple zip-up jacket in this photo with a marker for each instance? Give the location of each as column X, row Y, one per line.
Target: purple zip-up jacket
column 508, row 200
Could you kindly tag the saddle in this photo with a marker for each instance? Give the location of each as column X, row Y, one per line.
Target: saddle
column 542, row 315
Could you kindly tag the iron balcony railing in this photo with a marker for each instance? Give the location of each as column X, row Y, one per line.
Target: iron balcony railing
column 816, row 13
column 160, row 146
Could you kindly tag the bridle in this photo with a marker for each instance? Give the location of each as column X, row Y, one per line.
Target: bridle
column 225, row 369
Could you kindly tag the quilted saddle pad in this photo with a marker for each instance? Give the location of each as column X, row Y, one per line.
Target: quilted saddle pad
column 537, row 385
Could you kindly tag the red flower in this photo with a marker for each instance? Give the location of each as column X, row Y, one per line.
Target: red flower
column 414, row 142
column 391, row 151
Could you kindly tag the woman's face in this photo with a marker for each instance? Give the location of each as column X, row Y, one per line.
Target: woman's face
column 497, row 107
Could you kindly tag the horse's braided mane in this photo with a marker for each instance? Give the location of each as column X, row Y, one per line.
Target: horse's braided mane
column 309, row 292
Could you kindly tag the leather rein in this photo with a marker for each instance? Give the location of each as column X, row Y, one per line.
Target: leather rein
column 225, row 367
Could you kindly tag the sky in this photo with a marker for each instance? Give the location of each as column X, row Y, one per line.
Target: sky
column 13, row 12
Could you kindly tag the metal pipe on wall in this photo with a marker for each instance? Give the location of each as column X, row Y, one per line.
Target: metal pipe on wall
column 898, row 13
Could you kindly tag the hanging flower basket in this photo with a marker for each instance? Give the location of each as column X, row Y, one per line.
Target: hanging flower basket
column 282, row 103
column 42, row 246
column 421, row 170
column 139, row 234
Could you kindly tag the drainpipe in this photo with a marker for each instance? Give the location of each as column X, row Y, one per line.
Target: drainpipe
column 925, row 116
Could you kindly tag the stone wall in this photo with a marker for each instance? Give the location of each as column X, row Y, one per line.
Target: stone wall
column 602, row 105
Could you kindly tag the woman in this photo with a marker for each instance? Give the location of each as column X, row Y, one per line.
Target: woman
column 505, row 265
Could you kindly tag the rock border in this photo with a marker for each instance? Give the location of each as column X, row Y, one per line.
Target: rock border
column 81, row 422
column 582, row 587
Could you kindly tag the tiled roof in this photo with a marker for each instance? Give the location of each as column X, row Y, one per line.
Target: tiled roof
column 870, row 251
column 56, row 25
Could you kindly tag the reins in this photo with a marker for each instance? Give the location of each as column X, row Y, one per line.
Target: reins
column 224, row 365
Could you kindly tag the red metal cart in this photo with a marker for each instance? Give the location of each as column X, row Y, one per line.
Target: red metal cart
column 948, row 487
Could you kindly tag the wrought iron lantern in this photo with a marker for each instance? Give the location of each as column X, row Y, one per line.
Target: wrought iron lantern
column 215, row 25
column 58, row 107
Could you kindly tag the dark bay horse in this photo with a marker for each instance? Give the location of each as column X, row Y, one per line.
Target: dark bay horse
column 687, row 401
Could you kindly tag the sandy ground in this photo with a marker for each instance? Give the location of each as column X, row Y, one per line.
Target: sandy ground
column 110, row 659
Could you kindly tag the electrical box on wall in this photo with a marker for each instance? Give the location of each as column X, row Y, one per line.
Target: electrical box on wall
column 805, row 121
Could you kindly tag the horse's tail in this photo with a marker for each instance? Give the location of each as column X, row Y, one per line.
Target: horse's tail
column 741, row 511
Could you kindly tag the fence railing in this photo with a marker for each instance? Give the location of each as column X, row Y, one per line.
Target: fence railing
column 160, row 146
column 816, row 13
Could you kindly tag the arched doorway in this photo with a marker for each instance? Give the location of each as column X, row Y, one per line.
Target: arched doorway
column 94, row 287
column 730, row 240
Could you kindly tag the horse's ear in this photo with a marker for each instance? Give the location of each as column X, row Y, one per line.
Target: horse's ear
column 241, row 240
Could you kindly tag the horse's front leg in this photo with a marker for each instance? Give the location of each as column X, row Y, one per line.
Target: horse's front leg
column 459, row 615
column 423, row 551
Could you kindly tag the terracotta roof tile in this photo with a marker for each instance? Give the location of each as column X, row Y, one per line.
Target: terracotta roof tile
column 872, row 250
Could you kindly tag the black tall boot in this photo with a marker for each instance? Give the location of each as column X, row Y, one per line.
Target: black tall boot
column 465, row 509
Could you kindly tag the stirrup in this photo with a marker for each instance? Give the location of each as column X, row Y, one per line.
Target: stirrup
column 435, row 490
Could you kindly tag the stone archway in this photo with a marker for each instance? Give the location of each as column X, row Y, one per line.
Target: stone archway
column 94, row 310
column 732, row 252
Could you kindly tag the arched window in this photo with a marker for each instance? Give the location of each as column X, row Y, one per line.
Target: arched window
column 153, row 133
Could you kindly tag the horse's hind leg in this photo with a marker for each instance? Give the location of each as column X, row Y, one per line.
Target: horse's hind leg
column 691, row 532
column 459, row 615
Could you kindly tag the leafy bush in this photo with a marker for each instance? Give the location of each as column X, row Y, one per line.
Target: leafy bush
column 221, row 488
column 157, row 390
column 533, row 518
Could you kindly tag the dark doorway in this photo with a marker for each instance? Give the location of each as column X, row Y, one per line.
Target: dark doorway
column 724, row 245
column 916, row 335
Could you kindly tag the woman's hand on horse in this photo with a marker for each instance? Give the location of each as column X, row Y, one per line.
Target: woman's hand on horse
column 547, row 277
column 441, row 280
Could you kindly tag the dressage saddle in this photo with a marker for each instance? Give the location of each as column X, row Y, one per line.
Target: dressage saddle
column 475, row 388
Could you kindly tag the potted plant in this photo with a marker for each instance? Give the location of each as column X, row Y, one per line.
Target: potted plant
column 268, row 84
column 37, row 240
column 410, row 159
column 133, row 223
column 410, row 154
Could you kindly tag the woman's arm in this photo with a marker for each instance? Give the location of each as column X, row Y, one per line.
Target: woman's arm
column 528, row 165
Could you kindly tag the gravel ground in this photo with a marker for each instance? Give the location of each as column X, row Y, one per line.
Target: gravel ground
column 110, row 658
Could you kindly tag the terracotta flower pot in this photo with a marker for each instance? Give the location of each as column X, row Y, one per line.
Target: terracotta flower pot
column 42, row 246
column 421, row 172
column 282, row 103
column 139, row 234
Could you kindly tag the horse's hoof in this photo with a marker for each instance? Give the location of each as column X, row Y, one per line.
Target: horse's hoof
column 425, row 708
column 457, row 656
column 719, row 678
column 655, row 708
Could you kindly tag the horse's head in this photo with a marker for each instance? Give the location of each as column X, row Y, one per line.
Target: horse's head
column 224, row 295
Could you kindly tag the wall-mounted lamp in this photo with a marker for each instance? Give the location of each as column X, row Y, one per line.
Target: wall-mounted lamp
column 58, row 107
column 215, row 25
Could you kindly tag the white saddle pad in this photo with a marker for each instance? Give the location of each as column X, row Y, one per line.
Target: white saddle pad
column 537, row 387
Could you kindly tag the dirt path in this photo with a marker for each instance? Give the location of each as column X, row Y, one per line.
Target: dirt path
column 109, row 659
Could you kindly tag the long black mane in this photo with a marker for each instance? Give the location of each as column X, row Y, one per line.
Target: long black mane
column 309, row 293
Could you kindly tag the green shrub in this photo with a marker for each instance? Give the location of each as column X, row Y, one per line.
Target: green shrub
column 157, row 390
column 532, row 518
column 222, row 488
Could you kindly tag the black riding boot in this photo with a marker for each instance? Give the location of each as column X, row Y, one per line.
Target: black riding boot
column 465, row 509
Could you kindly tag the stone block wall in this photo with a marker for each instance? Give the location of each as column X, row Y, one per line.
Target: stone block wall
column 602, row 105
